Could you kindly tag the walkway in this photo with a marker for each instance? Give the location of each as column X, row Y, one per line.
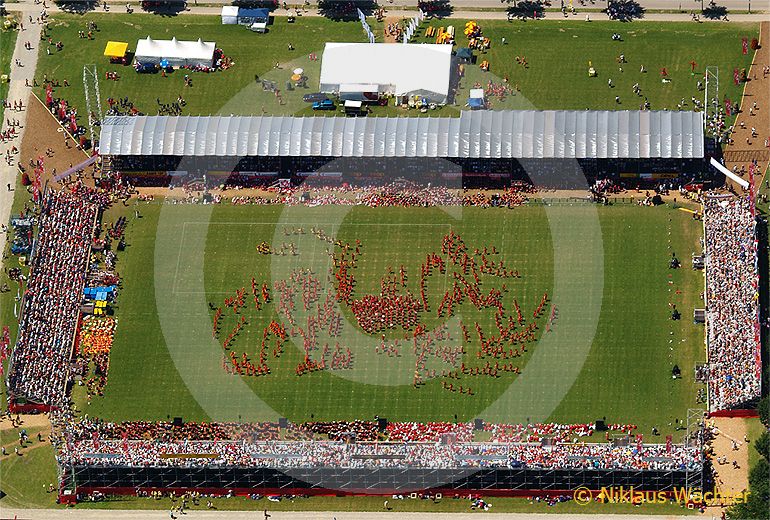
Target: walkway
column 746, row 148
column 17, row 91
column 463, row 10
column 85, row 514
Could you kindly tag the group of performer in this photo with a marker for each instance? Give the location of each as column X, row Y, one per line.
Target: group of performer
column 313, row 315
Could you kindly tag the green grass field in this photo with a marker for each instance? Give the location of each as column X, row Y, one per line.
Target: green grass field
column 609, row 353
column 7, row 44
column 558, row 53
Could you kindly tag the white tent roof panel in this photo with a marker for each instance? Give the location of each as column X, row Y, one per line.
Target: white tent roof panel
column 174, row 49
column 483, row 134
column 379, row 67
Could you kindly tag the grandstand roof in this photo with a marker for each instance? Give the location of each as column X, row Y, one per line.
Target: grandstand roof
column 516, row 134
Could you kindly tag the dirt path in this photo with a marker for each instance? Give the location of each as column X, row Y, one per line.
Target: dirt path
column 729, row 478
column 746, row 148
column 27, row 421
column 51, row 142
column 32, row 424
column 390, row 21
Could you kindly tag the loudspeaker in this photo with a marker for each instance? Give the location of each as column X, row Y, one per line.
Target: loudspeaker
column 478, row 424
column 283, row 422
column 382, row 424
column 600, row 426
column 178, row 421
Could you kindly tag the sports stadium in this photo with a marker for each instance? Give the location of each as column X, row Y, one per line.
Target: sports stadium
column 401, row 297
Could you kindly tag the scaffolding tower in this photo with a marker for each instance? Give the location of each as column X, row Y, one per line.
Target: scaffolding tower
column 694, row 437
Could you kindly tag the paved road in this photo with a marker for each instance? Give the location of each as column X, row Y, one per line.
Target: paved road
column 17, row 91
column 461, row 9
column 668, row 5
column 82, row 514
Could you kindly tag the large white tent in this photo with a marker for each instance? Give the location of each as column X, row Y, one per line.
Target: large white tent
column 178, row 53
column 409, row 69
column 519, row 134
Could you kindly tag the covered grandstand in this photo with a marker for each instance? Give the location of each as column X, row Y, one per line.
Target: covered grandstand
column 635, row 145
column 512, row 134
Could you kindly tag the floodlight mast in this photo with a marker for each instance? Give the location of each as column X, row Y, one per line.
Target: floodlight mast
column 711, row 95
column 93, row 99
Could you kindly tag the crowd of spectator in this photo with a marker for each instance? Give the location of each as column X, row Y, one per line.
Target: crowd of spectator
column 359, row 444
column 429, row 432
column 732, row 300
column 168, row 431
column 340, row 454
column 402, row 193
column 52, row 298
column 539, row 431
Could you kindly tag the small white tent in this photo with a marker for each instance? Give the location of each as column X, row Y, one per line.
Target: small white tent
column 229, row 14
column 177, row 53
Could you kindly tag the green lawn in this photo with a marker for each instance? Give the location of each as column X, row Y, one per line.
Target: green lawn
column 230, row 91
column 604, row 268
column 26, row 478
column 7, row 44
column 558, row 53
column 375, row 504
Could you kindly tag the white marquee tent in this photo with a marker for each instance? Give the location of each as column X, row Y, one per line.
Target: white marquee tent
column 515, row 134
column 410, row 69
column 177, row 53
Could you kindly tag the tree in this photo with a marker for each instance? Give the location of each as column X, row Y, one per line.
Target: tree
column 437, row 8
column 757, row 506
column 715, row 12
column 624, row 10
column 764, row 411
column 346, row 9
column 762, row 445
column 525, row 8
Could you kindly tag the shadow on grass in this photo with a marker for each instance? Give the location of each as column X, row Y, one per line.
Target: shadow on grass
column 164, row 7
column 526, row 9
column 76, row 6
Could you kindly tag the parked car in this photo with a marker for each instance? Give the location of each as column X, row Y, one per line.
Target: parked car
column 326, row 104
column 146, row 68
column 312, row 98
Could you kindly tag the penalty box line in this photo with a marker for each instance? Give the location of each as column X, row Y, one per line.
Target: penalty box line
column 276, row 223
